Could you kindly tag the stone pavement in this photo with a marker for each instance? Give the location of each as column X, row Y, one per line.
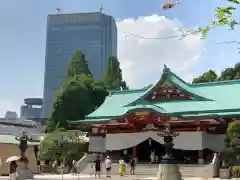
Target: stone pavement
column 88, row 177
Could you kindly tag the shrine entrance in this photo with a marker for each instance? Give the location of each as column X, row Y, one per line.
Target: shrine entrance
column 149, row 148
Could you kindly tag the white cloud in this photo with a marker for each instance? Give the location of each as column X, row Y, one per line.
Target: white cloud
column 142, row 60
column 6, row 105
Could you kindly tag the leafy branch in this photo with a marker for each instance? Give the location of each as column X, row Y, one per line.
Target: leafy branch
column 224, row 16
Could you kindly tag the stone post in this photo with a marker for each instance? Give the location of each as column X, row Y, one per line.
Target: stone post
column 200, row 157
column 168, row 169
column 22, row 169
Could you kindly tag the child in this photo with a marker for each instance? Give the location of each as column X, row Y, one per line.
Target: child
column 92, row 169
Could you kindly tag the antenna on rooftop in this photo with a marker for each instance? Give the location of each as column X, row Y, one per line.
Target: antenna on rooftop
column 101, row 8
column 58, row 10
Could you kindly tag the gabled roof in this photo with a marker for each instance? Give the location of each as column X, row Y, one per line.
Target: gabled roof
column 115, row 102
column 208, row 98
column 173, row 79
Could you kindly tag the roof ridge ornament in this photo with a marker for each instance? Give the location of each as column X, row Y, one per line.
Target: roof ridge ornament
column 166, row 69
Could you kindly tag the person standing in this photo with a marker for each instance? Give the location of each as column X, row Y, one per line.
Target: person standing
column 13, row 170
column 108, row 164
column 92, row 167
column 54, row 167
column 97, row 163
column 152, row 157
column 122, row 167
column 74, row 167
column 39, row 166
column 132, row 166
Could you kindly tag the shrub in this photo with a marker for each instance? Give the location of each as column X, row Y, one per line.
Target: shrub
column 235, row 171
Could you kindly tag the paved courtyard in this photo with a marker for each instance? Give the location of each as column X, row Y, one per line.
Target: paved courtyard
column 87, row 177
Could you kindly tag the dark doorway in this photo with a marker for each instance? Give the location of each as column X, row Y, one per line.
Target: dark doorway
column 144, row 150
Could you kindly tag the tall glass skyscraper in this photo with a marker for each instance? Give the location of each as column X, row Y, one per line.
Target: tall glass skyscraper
column 95, row 34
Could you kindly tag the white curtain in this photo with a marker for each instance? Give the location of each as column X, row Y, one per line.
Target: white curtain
column 214, row 142
column 185, row 141
column 97, row 144
column 124, row 140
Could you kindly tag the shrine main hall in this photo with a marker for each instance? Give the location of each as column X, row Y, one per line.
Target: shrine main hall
column 129, row 121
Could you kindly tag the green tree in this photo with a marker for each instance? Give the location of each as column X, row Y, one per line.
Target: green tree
column 113, row 79
column 227, row 74
column 78, row 65
column 73, row 101
column 79, row 95
column 232, row 140
column 233, row 129
column 237, row 70
column 61, row 145
column 209, row 76
column 230, row 73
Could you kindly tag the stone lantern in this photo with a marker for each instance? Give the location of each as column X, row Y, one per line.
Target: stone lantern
column 168, row 169
column 23, row 171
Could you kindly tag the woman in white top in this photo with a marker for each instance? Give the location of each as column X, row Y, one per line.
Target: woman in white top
column 108, row 164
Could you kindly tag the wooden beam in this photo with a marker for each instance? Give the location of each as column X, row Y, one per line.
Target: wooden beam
column 139, row 131
column 108, row 126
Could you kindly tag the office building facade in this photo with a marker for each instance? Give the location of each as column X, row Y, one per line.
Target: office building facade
column 32, row 109
column 95, row 34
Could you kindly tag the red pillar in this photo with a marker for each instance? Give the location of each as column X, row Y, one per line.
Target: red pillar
column 134, row 152
column 200, row 157
column 200, row 152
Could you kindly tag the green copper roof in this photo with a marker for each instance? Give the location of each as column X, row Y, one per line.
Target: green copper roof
column 211, row 115
column 218, row 98
column 123, row 110
column 222, row 90
column 114, row 103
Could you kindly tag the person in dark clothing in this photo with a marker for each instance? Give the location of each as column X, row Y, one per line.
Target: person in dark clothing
column 132, row 166
column 97, row 163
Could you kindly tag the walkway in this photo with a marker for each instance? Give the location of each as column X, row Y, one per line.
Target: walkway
column 87, row 177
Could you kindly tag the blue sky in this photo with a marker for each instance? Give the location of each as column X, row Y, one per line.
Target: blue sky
column 23, row 29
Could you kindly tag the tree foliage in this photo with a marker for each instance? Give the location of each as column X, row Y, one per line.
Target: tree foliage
column 63, row 146
column 232, row 140
column 230, row 73
column 78, row 65
column 227, row 74
column 77, row 98
column 208, row 76
column 224, row 17
column 80, row 94
column 113, row 79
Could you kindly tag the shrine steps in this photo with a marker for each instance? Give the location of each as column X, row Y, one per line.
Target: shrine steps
column 187, row 170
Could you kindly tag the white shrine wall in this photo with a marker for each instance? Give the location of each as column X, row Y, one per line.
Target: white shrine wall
column 185, row 141
column 97, row 144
